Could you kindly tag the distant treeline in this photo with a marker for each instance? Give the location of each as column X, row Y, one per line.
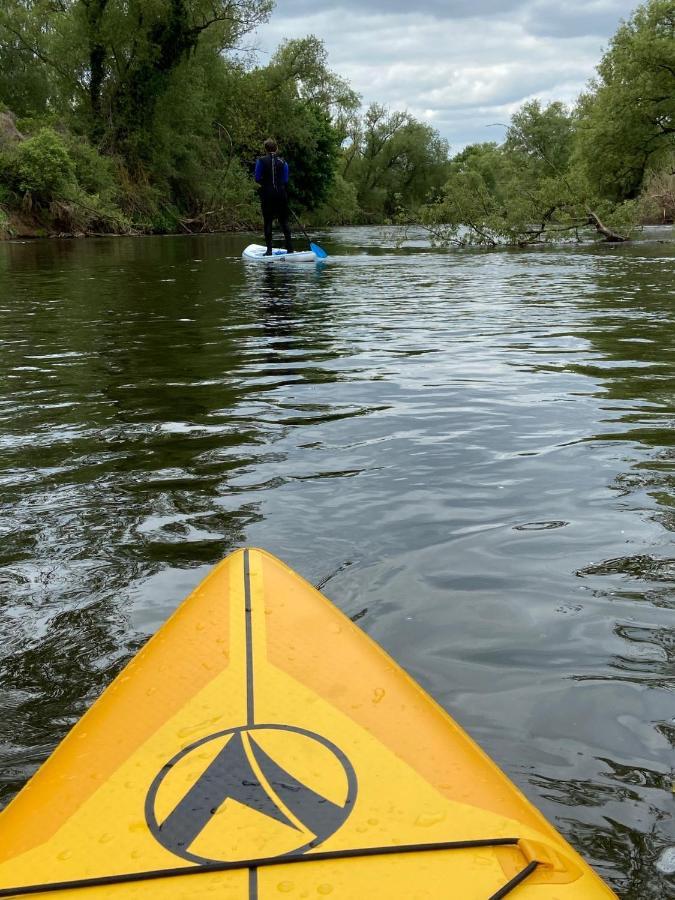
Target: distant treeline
column 122, row 116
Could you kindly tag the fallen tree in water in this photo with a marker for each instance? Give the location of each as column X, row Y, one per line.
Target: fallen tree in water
column 528, row 190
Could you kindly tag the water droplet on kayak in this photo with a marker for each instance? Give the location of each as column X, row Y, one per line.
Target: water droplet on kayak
column 666, row 861
column 325, row 889
column 426, row 820
column 285, row 887
column 105, row 838
column 65, row 854
column 378, row 694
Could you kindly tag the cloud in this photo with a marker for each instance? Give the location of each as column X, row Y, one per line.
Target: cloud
column 575, row 19
column 441, row 9
column 461, row 65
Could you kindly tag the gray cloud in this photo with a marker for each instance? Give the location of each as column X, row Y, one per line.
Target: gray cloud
column 571, row 18
column 575, row 19
column 461, row 65
column 440, row 9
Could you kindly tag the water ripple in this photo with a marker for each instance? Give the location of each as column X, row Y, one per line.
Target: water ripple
column 471, row 452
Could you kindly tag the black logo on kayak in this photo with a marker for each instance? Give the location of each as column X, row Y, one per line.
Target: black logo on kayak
column 258, row 791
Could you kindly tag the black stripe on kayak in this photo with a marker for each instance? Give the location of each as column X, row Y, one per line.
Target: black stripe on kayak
column 264, row 862
column 515, row 881
column 250, row 700
column 253, row 884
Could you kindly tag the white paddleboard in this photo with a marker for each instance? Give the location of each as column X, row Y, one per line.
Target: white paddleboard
column 256, row 252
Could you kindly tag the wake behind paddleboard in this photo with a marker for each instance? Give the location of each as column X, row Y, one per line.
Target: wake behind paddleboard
column 261, row 745
column 256, row 253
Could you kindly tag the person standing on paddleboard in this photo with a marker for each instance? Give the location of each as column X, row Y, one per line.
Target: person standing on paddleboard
column 271, row 173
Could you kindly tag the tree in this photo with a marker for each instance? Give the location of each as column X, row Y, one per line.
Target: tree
column 300, row 102
column 111, row 61
column 393, row 161
column 544, row 135
column 302, row 66
column 525, row 191
column 626, row 121
column 34, row 74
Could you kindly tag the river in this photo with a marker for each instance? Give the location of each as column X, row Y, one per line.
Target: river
column 473, row 453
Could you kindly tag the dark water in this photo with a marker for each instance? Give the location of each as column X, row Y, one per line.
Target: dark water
column 475, row 452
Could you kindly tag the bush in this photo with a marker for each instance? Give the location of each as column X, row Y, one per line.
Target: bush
column 234, row 198
column 94, row 173
column 82, row 213
column 42, row 167
column 65, row 182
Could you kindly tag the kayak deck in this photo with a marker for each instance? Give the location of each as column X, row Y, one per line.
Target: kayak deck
column 261, row 743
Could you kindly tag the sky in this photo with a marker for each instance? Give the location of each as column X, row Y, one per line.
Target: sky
column 463, row 66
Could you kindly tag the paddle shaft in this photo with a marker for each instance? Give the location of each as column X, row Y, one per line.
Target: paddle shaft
column 302, row 227
column 315, row 248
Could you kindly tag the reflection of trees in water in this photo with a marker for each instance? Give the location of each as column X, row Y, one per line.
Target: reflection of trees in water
column 615, row 841
column 632, row 330
column 632, row 333
column 631, row 853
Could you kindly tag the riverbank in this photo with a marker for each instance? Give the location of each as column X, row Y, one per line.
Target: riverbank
column 26, row 226
column 16, row 225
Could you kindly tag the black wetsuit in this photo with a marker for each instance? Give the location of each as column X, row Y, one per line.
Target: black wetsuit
column 271, row 173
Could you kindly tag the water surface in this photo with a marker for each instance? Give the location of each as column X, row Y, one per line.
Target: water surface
column 473, row 453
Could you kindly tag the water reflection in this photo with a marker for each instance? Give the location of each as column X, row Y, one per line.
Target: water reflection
column 472, row 453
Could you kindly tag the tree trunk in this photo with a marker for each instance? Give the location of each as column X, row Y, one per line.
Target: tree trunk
column 612, row 237
column 97, row 58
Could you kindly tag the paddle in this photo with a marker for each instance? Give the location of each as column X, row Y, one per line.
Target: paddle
column 320, row 252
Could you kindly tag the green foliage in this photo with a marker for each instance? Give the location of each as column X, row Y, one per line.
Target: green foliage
column 42, row 166
column 300, row 102
column 393, row 161
column 94, row 173
column 524, row 192
column 341, row 207
column 545, row 136
column 304, row 64
column 23, row 83
column 48, row 172
column 626, row 121
column 314, row 160
column 81, row 213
